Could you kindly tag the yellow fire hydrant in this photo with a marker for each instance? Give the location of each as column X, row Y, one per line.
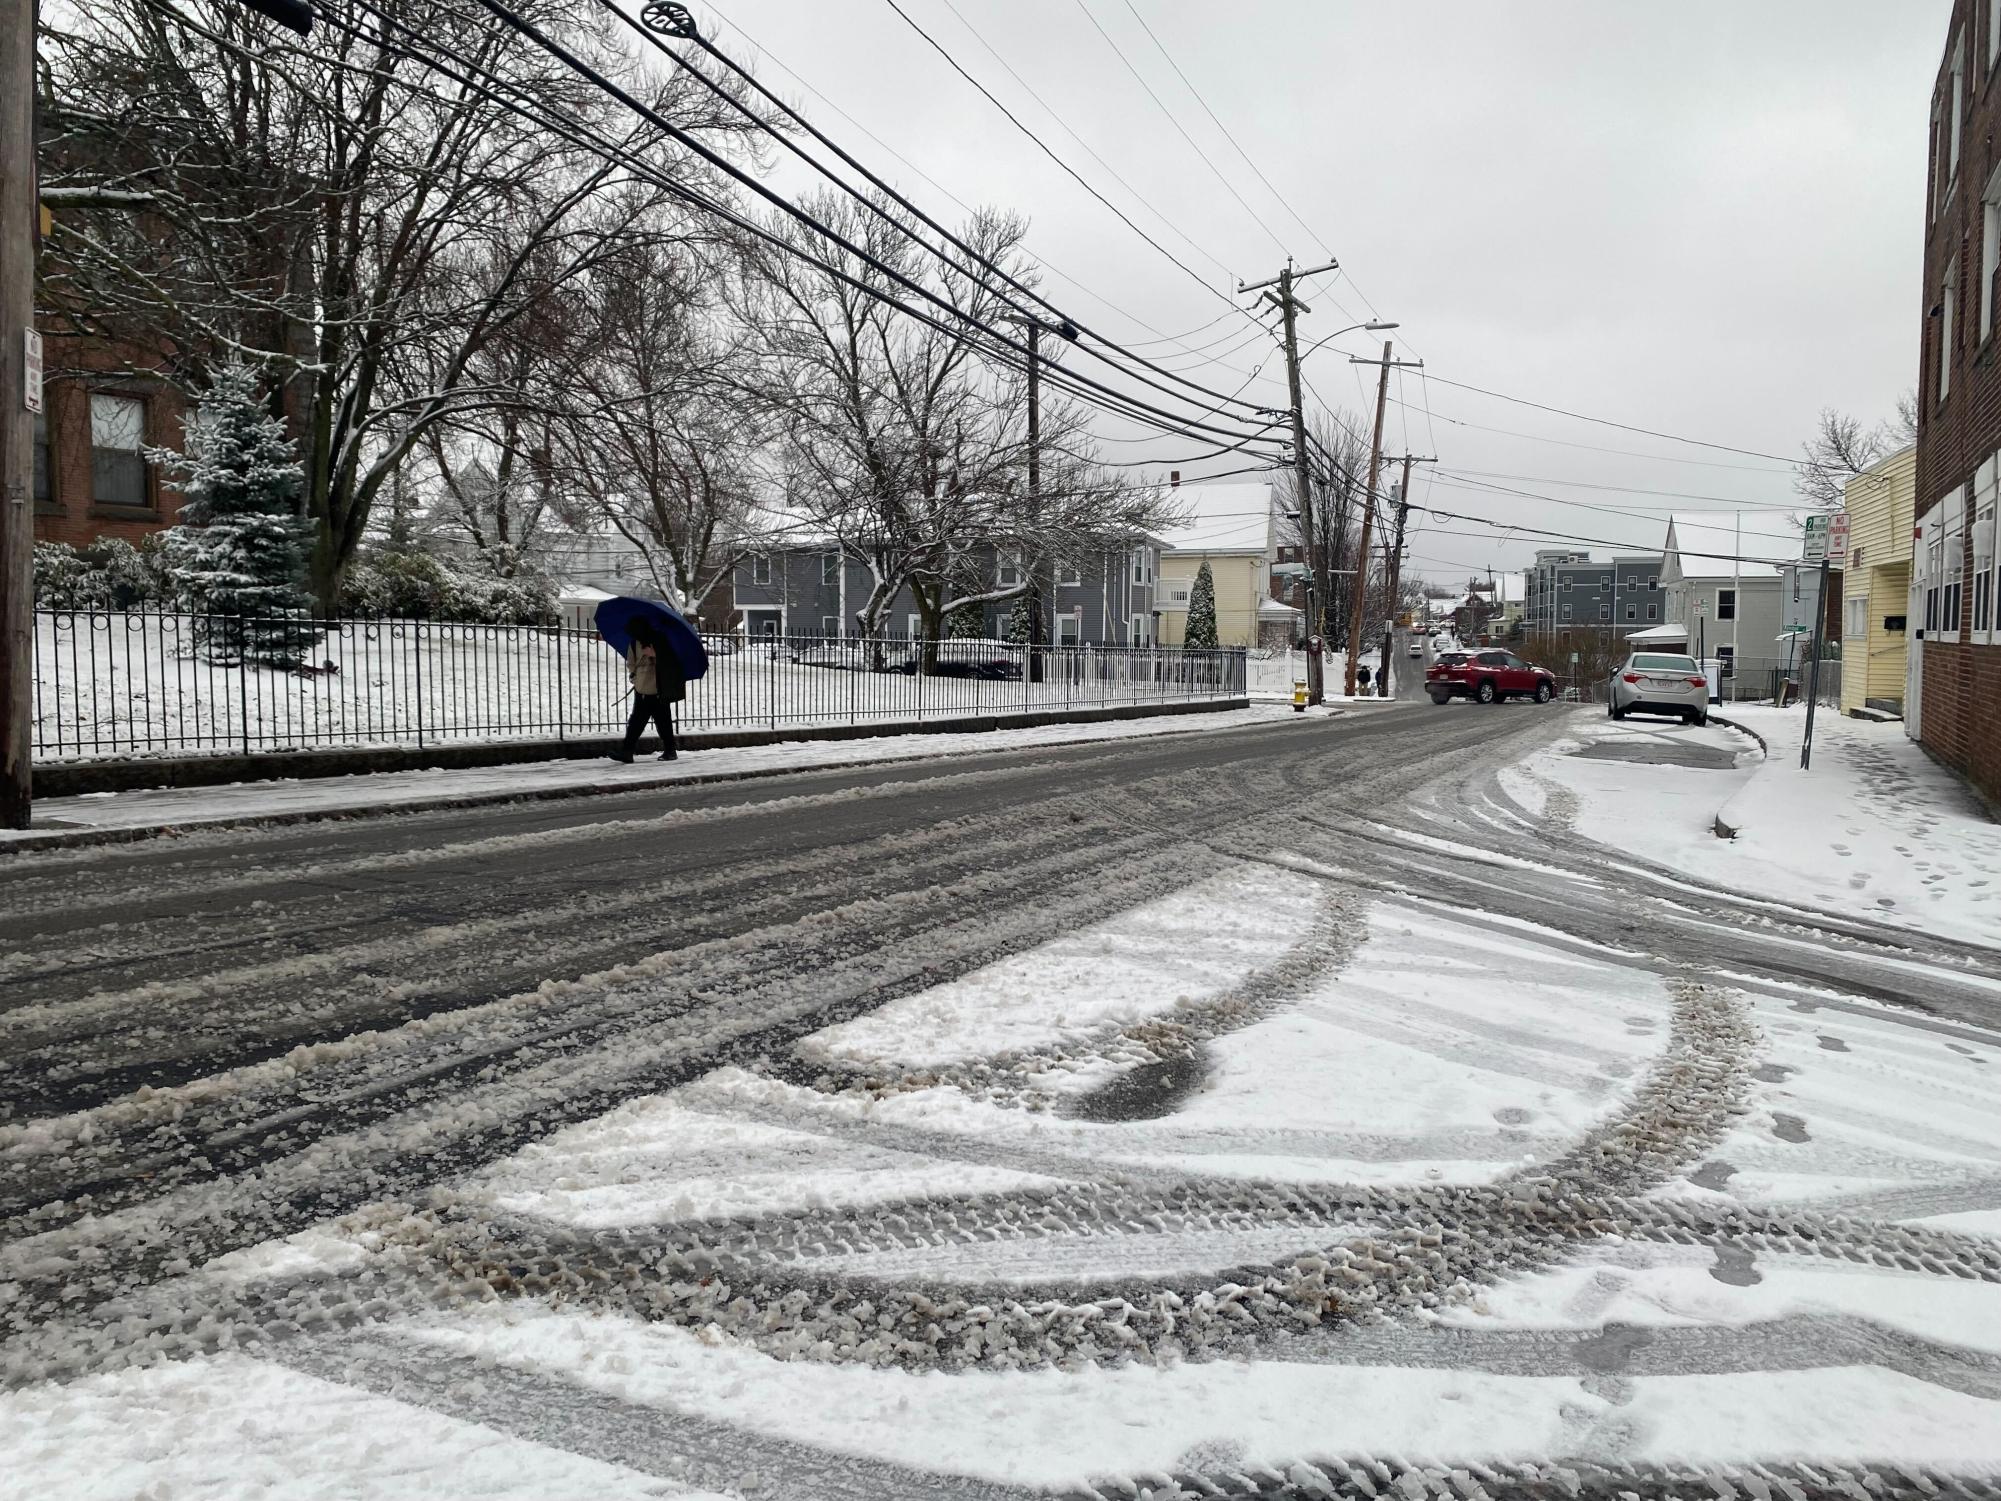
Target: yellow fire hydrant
column 1299, row 695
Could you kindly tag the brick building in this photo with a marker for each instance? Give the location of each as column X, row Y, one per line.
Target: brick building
column 1952, row 697
column 101, row 406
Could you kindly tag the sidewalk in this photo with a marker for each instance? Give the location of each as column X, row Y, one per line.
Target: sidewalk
column 96, row 818
column 1874, row 829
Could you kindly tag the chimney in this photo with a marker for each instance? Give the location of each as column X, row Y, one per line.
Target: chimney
column 1174, row 479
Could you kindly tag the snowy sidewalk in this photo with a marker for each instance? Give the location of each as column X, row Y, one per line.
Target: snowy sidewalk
column 1875, row 829
column 98, row 817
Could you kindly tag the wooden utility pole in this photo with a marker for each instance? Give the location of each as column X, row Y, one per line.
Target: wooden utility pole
column 1395, row 569
column 20, row 398
column 1309, row 536
column 1034, row 338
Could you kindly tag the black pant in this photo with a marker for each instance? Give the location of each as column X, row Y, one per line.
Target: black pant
column 650, row 706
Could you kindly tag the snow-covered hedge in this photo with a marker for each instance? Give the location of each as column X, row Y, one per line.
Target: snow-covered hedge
column 418, row 586
column 110, row 574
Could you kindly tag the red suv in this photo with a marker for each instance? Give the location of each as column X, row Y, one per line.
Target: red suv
column 1489, row 676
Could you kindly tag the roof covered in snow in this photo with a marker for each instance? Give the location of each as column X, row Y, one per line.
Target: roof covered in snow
column 1222, row 518
column 1709, row 547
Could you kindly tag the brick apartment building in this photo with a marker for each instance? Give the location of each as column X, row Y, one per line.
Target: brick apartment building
column 1952, row 699
column 102, row 405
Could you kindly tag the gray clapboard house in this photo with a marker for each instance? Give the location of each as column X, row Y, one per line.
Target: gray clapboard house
column 812, row 589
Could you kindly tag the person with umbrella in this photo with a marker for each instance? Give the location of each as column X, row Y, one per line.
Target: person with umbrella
column 663, row 654
column 657, row 685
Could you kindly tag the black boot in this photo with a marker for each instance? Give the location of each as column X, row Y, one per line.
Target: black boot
column 623, row 755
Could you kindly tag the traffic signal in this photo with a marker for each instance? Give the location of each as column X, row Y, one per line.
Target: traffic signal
column 297, row 15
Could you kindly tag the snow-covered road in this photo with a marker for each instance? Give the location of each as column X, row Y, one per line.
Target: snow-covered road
column 1296, row 1110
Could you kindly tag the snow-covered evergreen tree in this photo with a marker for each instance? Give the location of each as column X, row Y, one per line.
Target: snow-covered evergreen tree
column 239, row 552
column 1201, row 632
column 1021, row 622
column 966, row 622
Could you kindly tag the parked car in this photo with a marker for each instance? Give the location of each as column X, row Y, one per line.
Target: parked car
column 1487, row 676
column 1659, row 683
column 971, row 658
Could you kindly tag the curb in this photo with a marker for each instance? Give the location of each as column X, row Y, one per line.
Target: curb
column 1721, row 829
column 85, row 838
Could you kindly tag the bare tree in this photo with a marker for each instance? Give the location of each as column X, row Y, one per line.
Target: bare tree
column 333, row 210
column 1842, row 448
column 661, row 443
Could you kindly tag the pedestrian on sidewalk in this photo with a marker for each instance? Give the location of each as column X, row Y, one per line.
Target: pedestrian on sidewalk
column 657, row 685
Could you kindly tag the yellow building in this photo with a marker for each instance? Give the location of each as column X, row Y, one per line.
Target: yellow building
column 1234, row 529
column 1876, row 584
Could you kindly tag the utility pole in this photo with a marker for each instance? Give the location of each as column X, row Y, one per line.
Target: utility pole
column 20, row 399
column 1361, row 596
column 1034, row 338
column 21, row 387
column 1289, row 308
column 1396, row 560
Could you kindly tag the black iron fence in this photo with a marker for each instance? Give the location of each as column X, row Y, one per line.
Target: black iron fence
column 136, row 683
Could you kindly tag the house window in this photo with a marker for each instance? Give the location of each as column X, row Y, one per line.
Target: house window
column 1653, row 582
column 1985, row 583
column 44, row 495
column 1993, row 33
column 1604, row 612
column 1140, row 623
column 830, row 568
column 1856, row 626
column 830, row 626
column 1605, row 585
column 1990, row 250
column 760, row 568
column 1951, row 562
column 1653, row 612
column 1566, row 586
column 1142, row 565
column 1070, row 628
column 1566, row 612
column 1632, row 612
column 1956, row 100
column 117, row 450
column 1948, row 304
column 1069, row 573
column 1726, row 604
column 1008, row 572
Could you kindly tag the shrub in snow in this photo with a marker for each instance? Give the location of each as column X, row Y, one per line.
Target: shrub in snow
column 110, row 574
column 239, row 553
column 967, row 622
column 408, row 585
column 1201, row 632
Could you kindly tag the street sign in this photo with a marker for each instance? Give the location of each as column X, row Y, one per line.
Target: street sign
column 1816, row 539
column 31, row 372
column 1837, row 539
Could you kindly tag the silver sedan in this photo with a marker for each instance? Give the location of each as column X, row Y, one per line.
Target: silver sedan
column 1659, row 683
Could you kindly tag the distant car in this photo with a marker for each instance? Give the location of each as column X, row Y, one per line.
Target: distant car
column 1487, row 676
column 1417, row 648
column 971, row 658
column 1659, row 683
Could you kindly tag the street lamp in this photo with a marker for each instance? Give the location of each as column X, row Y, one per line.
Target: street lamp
column 1372, row 326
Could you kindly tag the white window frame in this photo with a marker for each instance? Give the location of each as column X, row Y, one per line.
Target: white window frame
column 1653, row 582
column 1653, row 612
column 1007, row 569
column 1069, row 576
column 1142, row 565
column 1949, row 551
column 1566, row 612
column 1566, row 586
column 760, row 568
column 1990, row 248
column 914, row 626
column 1984, row 624
column 128, row 412
column 830, row 627
column 1993, row 34
column 1721, row 613
column 1855, row 627
column 1141, row 630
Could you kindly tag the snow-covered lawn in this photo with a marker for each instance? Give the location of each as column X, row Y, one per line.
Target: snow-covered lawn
column 119, row 684
column 1874, row 827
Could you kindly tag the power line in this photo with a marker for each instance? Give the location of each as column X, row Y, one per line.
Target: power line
column 1161, row 48
column 1016, row 121
column 646, row 35
column 1749, row 453
column 1583, row 484
column 1229, row 186
column 1630, row 453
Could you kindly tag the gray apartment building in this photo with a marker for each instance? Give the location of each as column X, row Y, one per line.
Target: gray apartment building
column 812, row 589
column 1569, row 590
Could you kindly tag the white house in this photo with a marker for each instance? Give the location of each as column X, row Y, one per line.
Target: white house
column 1721, row 575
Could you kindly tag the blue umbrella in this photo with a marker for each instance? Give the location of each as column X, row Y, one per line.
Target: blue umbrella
column 616, row 618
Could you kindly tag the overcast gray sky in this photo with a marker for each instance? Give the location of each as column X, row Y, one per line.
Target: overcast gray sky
column 1703, row 218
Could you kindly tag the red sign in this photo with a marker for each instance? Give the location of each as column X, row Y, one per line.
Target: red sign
column 1837, row 538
